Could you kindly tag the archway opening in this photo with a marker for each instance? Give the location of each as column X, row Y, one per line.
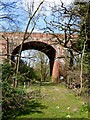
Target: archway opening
column 40, row 46
column 39, row 62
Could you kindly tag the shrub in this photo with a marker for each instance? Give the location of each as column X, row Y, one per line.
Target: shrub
column 13, row 101
column 7, row 72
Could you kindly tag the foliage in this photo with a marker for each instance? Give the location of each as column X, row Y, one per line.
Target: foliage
column 84, row 107
column 13, row 101
column 7, row 72
column 42, row 66
column 27, row 73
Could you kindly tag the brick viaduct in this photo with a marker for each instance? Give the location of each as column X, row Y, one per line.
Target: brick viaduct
column 44, row 42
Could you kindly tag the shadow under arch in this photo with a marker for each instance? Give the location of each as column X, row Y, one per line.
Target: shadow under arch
column 49, row 50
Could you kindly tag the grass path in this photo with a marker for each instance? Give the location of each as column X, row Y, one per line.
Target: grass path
column 57, row 101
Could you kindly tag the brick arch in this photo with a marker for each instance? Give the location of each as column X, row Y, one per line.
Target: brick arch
column 42, row 41
column 48, row 49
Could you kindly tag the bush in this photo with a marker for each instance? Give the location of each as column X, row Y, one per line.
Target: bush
column 13, row 101
column 84, row 108
column 7, row 72
column 30, row 72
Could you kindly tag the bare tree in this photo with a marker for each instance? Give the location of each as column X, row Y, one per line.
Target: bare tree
column 68, row 20
column 85, row 16
column 26, row 36
column 42, row 66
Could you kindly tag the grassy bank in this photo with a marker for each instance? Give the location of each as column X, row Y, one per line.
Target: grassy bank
column 54, row 101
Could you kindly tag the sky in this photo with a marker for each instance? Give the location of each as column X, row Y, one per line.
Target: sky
column 38, row 1
column 23, row 8
column 46, row 6
column 46, row 3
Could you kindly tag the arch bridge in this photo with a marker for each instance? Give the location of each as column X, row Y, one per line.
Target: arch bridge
column 44, row 42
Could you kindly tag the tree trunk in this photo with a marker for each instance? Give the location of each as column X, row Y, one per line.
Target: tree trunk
column 24, row 85
column 15, row 82
column 24, row 37
column 81, row 73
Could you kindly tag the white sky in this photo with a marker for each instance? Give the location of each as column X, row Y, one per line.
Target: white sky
column 46, row 2
column 49, row 1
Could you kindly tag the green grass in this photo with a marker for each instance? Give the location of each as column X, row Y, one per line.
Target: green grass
column 55, row 101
